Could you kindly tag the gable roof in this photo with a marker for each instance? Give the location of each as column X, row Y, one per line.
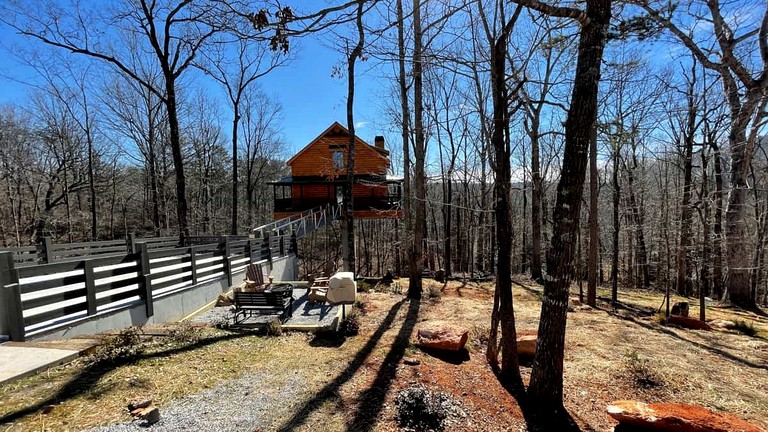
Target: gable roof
column 336, row 125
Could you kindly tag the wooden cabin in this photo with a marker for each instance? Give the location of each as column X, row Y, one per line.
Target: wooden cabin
column 318, row 178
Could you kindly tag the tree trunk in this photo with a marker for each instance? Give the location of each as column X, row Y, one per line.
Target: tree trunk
column 536, row 192
column 178, row 157
column 405, row 113
column 685, row 205
column 510, row 370
column 616, row 222
column 546, row 387
column 416, row 261
column 717, row 229
column 594, row 235
column 235, row 178
column 348, row 233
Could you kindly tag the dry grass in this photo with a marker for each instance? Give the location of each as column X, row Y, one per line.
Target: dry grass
column 354, row 381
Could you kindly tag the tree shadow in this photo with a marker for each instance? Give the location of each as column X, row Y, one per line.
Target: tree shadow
column 537, row 418
column 331, row 390
column 371, row 401
column 711, row 349
column 452, row 357
column 538, row 294
column 84, row 381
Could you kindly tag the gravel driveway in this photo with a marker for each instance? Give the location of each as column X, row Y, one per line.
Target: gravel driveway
column 249, row 403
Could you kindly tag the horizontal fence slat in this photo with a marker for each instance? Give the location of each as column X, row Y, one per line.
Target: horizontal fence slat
column 56, row 313
column 187, row 279
column 47, row 269
column 102, row 274
column 88, row 245
column 53, row 298
column 116, row 297
column 31, row 287
column 117, row 284
column 166, row 252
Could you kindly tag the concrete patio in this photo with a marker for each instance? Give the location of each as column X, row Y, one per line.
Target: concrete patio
column 305, row 315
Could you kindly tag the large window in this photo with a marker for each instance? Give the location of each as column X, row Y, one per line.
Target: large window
column 338, row 159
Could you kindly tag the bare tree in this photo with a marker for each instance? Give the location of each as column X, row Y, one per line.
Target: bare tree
column 546, row 388
column 174, row 31
column 744, row 78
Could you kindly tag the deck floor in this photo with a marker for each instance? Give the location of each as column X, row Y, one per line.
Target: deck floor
column 305, row 315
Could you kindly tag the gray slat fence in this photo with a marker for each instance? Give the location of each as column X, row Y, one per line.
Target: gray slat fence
column 86, row 279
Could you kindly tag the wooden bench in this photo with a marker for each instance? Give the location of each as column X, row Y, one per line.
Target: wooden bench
column 279, row 301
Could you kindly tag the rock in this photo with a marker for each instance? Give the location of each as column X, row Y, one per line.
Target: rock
column 574, row 302
column 675, row 418
column 442, row 335
column 139, row 403
column 689, row 323
column 722, row 324
column 680, row 308
column 47, row 409
column 411, row 361
column 526, row 345
column 150, row 415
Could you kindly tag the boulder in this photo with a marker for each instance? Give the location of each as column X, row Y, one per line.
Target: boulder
column 672, row 417
column 526, row 345
column 689, row 323
column 442, row 335
column 680, row 308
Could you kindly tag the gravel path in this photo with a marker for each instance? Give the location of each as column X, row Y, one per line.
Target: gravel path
column 245, row 404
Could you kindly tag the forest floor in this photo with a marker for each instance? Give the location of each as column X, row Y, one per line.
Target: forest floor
column 351, row 383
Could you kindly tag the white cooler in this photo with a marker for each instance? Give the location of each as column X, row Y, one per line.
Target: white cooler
column 342, row 288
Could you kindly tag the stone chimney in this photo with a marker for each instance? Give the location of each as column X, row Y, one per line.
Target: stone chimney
column 379, row 142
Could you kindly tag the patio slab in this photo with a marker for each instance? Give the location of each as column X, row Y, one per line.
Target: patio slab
column 305, row 315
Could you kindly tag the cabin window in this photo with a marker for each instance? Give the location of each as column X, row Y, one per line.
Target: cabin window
column 338, row 160
column 283, row 192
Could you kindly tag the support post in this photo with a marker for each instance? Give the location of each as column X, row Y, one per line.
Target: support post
column 90, row 287
column 193, row 264
column 227, row 263
column 145, row 280
column 48, row 250
column 131, row 242
column 11, row 317
column 266, row 248
column 249, row 250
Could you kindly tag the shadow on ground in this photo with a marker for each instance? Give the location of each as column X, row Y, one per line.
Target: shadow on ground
column 371, row 401
column 87, row 379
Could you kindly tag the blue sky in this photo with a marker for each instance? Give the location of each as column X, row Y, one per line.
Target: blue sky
column 311, row 98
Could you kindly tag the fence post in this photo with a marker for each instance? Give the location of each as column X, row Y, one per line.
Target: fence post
column 282, row 245
column 11, row 318
column 249, row 250
column 48, row 250
column 90, row 287
column 266, row 247
column 227, row 262
column 294, row 244
column 193, row 264
column 131, row 242
column 145, row 280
